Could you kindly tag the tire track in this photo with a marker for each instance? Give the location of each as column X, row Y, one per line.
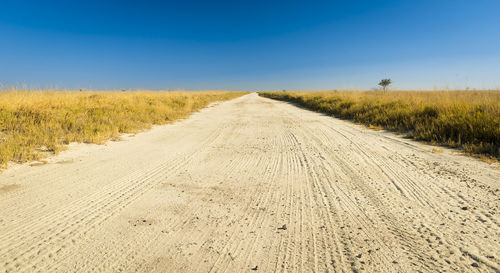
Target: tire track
column 253, row 184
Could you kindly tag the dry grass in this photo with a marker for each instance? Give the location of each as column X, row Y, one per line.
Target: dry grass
column 469, row 120
column 36, row 123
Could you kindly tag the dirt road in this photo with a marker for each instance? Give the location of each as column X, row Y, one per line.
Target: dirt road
column 252, row 184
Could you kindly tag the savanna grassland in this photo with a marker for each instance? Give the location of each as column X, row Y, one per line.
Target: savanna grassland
column 469, row 120
column 37, row 123
column 250, row 184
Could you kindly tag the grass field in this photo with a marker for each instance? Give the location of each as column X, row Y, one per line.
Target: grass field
column 36, row 123
column 469, row 120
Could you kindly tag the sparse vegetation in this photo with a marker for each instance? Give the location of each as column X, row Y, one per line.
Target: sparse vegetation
column 469, row 120
column 384, row 83
column 34, row 123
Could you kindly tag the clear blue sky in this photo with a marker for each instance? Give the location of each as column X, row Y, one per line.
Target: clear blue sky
column 250, row 45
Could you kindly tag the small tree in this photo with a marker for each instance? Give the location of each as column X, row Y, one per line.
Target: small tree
column 385, row 83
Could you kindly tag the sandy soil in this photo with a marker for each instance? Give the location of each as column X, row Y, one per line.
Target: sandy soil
column 252, row 184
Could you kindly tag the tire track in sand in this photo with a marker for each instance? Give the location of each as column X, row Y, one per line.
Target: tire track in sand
column 252, row 184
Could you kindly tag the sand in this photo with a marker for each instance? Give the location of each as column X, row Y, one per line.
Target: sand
column 249, row 185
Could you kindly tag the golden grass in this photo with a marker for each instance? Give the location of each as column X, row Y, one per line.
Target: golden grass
column 36, row 123
column 469, row 120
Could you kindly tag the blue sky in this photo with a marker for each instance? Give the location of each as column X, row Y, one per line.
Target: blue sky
column 250, row 45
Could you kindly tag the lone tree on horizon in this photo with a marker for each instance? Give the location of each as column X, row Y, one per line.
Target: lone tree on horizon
column 385, row 83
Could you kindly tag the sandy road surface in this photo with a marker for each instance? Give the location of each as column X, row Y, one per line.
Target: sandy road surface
column 252, row 184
